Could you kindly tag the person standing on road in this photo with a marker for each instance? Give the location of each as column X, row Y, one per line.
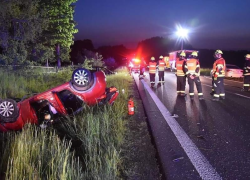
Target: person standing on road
column 152, row 71
column 192, row 70
column 161, row 69
column 246, row 84
column 218, row 75
column 181, row 78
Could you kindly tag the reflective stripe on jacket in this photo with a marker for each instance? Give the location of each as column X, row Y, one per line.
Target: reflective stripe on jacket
column 152, row 67
column 161, row 66
column 192, row 67
column 180, row 67
column 219, row 67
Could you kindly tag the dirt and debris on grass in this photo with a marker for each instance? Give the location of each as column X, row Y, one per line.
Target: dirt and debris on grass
column 139, row 154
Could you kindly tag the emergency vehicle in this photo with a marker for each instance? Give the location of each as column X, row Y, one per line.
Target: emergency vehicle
column 173, row 55
column 134, row 65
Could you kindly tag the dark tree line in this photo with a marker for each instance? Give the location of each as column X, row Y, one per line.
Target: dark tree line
column 114, row 55
column 157, row 46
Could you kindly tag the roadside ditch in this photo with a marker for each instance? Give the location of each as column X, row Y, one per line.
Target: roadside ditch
column 141, row 160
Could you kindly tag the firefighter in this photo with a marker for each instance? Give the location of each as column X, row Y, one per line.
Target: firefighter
column 181, row 78
column 161, row 69
column 192, row 70
column 152, row 71
column 218, row 75
column 247, row 73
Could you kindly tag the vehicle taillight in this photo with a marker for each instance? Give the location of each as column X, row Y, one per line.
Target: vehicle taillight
column 229, row 70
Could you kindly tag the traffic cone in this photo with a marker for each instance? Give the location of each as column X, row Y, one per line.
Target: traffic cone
column 131, row 108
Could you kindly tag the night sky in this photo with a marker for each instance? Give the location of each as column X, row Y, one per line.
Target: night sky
column 214, row 24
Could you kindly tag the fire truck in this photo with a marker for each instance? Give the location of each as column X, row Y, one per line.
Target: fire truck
column 134, row 65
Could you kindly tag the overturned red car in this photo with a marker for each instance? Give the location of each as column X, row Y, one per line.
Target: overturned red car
column 85, row 87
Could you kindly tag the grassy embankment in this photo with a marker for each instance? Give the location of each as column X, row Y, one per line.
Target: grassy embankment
column 87, row 147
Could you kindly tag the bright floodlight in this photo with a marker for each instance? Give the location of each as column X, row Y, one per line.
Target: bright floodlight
column 182, row 33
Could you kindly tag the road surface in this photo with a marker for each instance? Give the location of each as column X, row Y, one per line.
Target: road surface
column 220, row 130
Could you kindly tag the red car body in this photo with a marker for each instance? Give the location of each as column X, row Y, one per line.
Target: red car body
column 66, row 99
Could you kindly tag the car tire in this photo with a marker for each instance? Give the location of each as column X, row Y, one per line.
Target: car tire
column 8, row 110
column 81, row 78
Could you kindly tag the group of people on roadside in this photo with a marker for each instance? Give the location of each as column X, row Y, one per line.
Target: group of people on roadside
column 161, row 65
column 190, row 69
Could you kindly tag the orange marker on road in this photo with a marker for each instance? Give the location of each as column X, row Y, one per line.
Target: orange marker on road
column 131, row 108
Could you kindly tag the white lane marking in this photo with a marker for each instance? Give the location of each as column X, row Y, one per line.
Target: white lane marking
column 242, row 95
column 201, row 164
column 229, row 92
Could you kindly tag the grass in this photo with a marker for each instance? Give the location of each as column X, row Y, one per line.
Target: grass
column 22, row 82
column 85, row 147
column 205, row 71
column 38, row 154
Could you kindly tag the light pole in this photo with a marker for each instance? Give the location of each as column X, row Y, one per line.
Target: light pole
column 182, row 34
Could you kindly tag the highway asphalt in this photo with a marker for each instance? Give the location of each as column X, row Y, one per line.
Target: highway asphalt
column 220, row 130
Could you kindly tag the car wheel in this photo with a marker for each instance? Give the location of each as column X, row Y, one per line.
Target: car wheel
column 8, row 110
column 81, row 77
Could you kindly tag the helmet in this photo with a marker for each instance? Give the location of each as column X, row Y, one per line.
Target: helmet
column 247, row 56
column 152, row 58
column 183, row 54
column 195, row 53
column 218, row 52
column 161, row 57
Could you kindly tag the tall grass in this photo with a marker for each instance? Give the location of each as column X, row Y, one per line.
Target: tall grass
column 22, row 82
column 100, row 133
column 89, row 145
column 40, row 154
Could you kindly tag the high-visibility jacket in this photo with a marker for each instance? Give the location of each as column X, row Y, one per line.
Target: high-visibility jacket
column 192, row 67
column 161, row 65
column 152, row 67
column 179, row 65
column 247, row 68
column 219, row 68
